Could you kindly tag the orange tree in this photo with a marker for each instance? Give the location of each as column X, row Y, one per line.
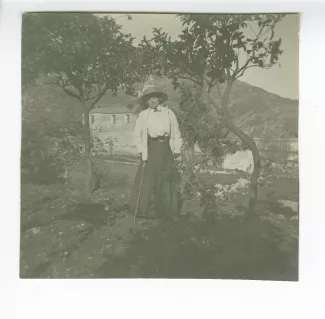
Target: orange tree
column 213, row 51
column 83, row 54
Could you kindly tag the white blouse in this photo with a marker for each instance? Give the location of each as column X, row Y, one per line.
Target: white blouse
column 141, row 130
column 158, row 122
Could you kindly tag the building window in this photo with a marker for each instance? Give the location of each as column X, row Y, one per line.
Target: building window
column 114, row 119
column 92, row 119
column 127, row 118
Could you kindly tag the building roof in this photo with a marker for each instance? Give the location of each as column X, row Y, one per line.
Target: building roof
column 112, row 110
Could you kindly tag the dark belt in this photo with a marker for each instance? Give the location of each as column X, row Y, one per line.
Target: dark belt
column 160, row 138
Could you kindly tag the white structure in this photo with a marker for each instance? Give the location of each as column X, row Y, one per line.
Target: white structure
column 241, row 160
column 116, row 123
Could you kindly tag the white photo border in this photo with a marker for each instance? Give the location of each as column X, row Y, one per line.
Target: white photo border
column 175, row 298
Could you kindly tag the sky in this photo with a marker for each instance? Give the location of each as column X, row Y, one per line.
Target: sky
column 282, row 81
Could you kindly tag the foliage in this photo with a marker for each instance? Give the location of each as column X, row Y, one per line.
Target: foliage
column 199, row 125
column 83, row 54
column 192, row 111
column 212, row 196
column 198, row 122
column 36, row 162
column 46, row 155
column 208, row 49
column 213, row 51
column 100, row 146
column 49, row 133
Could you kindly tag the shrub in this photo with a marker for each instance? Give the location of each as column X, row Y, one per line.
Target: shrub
column 46, row 155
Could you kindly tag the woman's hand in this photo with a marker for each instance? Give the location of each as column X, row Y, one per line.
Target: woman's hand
column 140, row 155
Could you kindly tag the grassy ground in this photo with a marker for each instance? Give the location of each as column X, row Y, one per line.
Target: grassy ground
column 62, row 236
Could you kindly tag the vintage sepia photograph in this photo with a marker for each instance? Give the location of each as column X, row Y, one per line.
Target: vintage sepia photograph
column 159, row 145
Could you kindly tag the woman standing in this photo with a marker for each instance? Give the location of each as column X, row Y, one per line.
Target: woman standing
column 155, row 193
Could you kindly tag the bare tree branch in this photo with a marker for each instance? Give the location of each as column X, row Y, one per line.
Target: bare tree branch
column 228, row 73
column 237, row 63
column 99, row 96
column 67, row 91
column 259, row 34
column 267, row 30
column 211, row 100
column 242, row 69
column 265, row 67
column 100, row 89
column 74, row 81
column 218, row 87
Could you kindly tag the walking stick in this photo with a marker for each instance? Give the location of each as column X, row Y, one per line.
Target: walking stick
column 140, row 189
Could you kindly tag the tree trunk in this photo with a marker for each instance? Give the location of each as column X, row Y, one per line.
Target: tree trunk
column 88, row 178
column 191, row 156
column 248, row 141
column 188, row 157
column 256, row 157
column 65, row 171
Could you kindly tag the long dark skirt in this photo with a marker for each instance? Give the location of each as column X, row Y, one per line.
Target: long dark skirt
column 159, row 195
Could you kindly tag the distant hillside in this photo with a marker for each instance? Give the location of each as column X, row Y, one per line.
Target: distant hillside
column 263, row 114
column 256, row 111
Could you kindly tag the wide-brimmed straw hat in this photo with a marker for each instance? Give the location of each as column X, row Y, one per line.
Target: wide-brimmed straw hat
column 151, row 88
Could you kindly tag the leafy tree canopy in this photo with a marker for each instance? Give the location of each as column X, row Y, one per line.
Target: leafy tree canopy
column 83, row 54
column 212, row 48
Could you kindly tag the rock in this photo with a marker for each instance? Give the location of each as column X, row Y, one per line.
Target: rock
column 293, row 205
column 34, row 231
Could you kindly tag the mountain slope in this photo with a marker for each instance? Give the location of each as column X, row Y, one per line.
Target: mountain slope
column 257, row 112
column 263, row 114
